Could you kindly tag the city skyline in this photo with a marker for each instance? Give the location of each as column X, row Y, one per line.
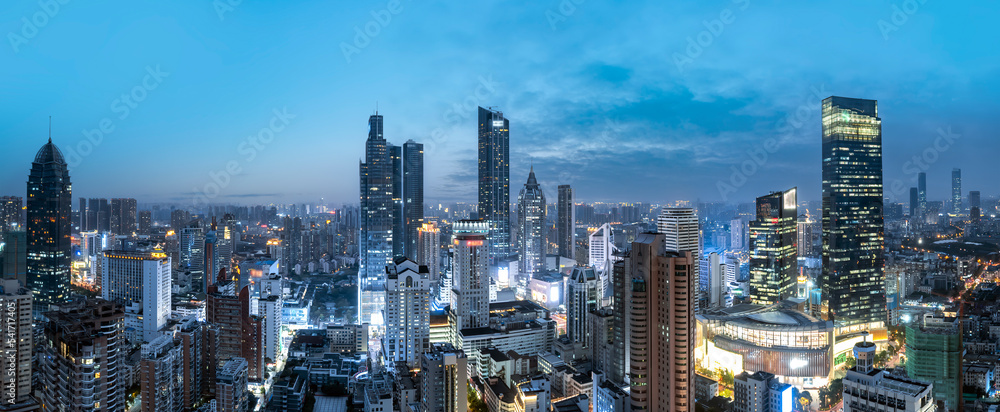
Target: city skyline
column 564, row 119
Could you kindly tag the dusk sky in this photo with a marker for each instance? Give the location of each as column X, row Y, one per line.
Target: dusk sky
column 626, row 101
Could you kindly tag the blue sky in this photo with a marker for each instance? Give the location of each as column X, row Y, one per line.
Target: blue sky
column 618, row 99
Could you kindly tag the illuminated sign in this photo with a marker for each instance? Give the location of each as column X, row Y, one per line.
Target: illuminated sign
column 474, row 243
column 786, row 400
column 789, row 200
column 721, row 358
column 498, row 123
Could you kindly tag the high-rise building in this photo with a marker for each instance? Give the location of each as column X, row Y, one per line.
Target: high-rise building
column 84, row 352
column 621, row 292
column 914, row 202
column 806, row 236
column 921, row 187
column 773, row 253
column 444, row 375
column 494, row 180
column 974, row 206
column 240, row 333
column 269, row 308
column 145, row 222
column 429, row 250
column 231, row 386
column 14, row 256
column 10, row 213
column 934, row 354
column 956, row 191
column 199, row 342
column 398, row 218
column 191, row 254
column 413, row 194
column 761, row 392
column 566, row 223
column 161, row 375
column 681, row 233
column 375, row 239
column 713, row 273
column 49, row 209
column 15, row 364
column 531, row 227
column 141, row 281
column 662, row 327
column 581, row 299
column 739, row 234
column 867, row 388
column 226, row 235
column 407, row 312
column 123, row 216
column 601, row 247
column 853, row 281
column 470, row 274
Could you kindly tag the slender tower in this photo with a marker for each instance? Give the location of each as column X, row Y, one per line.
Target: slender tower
column 49, row 208
column 494, row 180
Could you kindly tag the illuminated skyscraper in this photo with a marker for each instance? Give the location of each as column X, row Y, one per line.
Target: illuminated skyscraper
column 773, row 252
column 470, row 298
column 681, row 233
column 123, row 216
column 853, row 280
column 921, row 193
column 10, row 213
column 494, row 180
column 429, row 250
column 566, row 224
column 375, row 240
column 956, row 192
column 413, row 195
column 531, row 227
column 49, row 208
column 407, row 312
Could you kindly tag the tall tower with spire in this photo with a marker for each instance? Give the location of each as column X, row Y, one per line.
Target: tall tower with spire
column 375, row 243
column 531, row 226
column 49, row 205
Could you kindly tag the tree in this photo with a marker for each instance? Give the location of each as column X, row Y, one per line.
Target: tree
column 475, row 404
column 850, row 362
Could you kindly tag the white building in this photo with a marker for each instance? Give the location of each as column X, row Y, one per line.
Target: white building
column 15, row 364
column 681, row 233
column 713, row 280
column 581, row 299
column 270, row 308
column 142, row 282
column 761, row 392
column 407, row 312
column 602, row 249
column 868, row 389
column 470, row 270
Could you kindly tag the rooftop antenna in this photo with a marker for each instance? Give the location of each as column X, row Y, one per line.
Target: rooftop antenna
column 50, row 129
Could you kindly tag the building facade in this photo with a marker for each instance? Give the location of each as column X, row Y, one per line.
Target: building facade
column 531, row 227
column 15, row 364
column 407, row 312
column 773, row 251
column 470, row 270
column 375, row 239
column 413, row 195
column 853, row 281
column 49, row 210
column 566, row 224
column 494, row 180
column 444, row 376
column 934, row 354
column 141, row 281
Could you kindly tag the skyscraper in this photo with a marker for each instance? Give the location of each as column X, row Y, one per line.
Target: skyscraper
column 191, row 254
column 934, row 354
column 142, row 282
column 375, row 240
column 15, row 364
column 413, row 194
column 123, row 216
column 773, row 252
column 49, row 208
column 566, row 225
column 470, row 298
column 531, row 227
column 681, row 233
column 429, row 250
column 601, row 249
column 444, row 378
column 10, row 213
column 853, row 280
column 407, row 312
column 921, row 189
column 914, row 202
column 956, row 191
column 661, row 318
column 581, row 299
column 398, row 218
column 494, row 180
column 161, row 375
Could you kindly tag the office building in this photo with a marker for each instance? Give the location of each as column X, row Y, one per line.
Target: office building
column 413, row 195
column 161, row 375
column 662, row 327
column 10, row 213
column 407, row 312
column 867, row 388
column 934, row 354
column 806, row 237
column 715, row 290
column 921, row 191
column 444, row 374
column 15, row 364
column 123, row 216
column 914, row 202
column 269, row 308
column 853, row 281
column 145, row 224
column 470, row 270
column 14, row 256
column 429, row 251
column 601, row 247
column 375, row 239
column 141, row 281
column 191, row 246
column 975, row 212
column 199, row 343
column 231, row 386
column 761, row 392
column 621, row 292
column 240, row 333
column 494, row 180
column 956, row 192
column 49, row 208
column 739, row 234
column 531, row 227
column 773, row 252
column 681, row 233
column 581, row 299
column 84, row 349
column 566, row 223
column 398, row 218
